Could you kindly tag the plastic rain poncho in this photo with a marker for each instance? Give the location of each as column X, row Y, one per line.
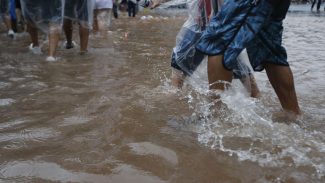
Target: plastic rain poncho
column 81, row 11
column 103, row 9
column 41, row 13
column 185, row 57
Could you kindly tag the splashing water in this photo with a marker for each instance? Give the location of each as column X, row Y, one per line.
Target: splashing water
column 244, row 127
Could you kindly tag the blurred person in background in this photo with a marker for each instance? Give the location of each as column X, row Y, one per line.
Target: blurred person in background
column 115, row 8
column 319, row 2
column 5, row 6
column 102, row 16
column 132, row 7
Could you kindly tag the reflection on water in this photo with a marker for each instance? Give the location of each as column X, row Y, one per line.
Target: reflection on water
column 111, row 116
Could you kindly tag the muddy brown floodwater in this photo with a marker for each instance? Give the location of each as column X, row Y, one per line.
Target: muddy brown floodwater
column 111, row 115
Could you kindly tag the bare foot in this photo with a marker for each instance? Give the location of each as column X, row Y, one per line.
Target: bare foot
column 177, row 78
column 286, row 117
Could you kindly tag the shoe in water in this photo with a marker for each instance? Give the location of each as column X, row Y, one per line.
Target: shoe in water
column 69, row 46
column 83, row 52
column 51, row 59
column 11, row 33
column 35, row 49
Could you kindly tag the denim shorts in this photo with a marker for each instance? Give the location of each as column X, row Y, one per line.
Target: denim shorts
column 241, row 24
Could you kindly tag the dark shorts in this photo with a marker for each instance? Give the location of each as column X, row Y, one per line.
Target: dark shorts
column 17, row 3
column 77, row 10
column 42, row 11
column 242, row 25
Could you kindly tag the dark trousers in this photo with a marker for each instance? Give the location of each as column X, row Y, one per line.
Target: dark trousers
column 318, row 4
column 131, row 8
column 115, row 10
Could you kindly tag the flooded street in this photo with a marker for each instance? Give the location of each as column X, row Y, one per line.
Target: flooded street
column 112, row 116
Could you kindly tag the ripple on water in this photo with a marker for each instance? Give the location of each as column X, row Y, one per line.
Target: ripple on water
column 11, row 124
column 148, row 148
column 35, row 85
column 243, row 129
column 54, row 172
column 36, row 134
column 4, row 85
column 6, row 102
column 75, row 120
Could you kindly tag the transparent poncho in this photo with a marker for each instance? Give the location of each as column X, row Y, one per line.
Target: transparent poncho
column 43, row 13
column 185, row 54
column 81, row 11
column 103, row 12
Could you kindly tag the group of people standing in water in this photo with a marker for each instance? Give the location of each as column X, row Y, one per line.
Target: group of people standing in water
column 53, row 16
column 238, row 37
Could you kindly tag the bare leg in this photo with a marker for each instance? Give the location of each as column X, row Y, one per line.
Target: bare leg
column 282, row 81
column 313, row 4
column 7, row 21
column 54, row 36
column 68, row 28
column 217, row 74
column 33, row 32
column 251, row 86
column 20, row 24
column 84, row 36
column 18, row 14
column 255, row 92
column 95, row 25
column 103, row 20
column 177, row 78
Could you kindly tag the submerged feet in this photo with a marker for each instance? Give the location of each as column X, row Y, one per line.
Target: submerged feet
column 11, row 34
column 51, row 59
column 287, row 117
column 69, row 45
column 35, row 49
column 177, row 78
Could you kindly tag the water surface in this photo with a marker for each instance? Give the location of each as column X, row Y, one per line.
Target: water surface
column 111, row 115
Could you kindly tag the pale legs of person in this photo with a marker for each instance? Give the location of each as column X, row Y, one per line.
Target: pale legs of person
column 102, row 20
column 83, row 35
column 280, row 77
column 95, row 24
column 21, row 26
column 54, row 37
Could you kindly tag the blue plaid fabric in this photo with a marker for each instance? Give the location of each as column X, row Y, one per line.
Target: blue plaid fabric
column 190, row 59
column 239, row 25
